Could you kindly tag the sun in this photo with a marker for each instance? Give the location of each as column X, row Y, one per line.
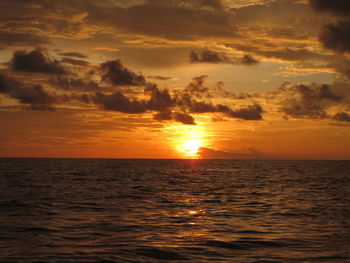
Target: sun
column 191, row 147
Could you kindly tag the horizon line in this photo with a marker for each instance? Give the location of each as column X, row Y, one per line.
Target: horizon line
column 190, row 159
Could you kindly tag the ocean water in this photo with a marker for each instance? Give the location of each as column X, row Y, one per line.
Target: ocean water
column 110, row 210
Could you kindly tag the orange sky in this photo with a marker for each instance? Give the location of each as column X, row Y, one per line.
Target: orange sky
column 175, row 79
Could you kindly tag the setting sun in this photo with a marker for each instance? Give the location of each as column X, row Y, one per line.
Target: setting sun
column 191, row 147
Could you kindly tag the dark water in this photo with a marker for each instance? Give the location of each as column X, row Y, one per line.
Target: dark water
column 66, row 210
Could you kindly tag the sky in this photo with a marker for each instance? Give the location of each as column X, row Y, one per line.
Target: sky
column 253, row 79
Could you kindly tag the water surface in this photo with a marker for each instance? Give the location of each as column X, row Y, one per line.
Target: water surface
column 110, row 210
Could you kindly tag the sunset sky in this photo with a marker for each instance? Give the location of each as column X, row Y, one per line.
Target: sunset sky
column 175, row 79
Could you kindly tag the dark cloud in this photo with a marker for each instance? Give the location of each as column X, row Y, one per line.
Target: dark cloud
column 75, row 84
column 115, row 73
column 210, row 56
column 247, row 60
column 76, row 62
column 308, row 101
column 160, row 78
column 324, row 92
column 176, row 116
column 196, row 87
column 9, row 38
column 183, row 118
column 342, row 116
column 214, row 4
column 337, row 7
column 35, row 61
column 175, row 106
column 34, row 95
column 41, row 107
column 250, row 112
column 163, row 116
column 119, row 102
column 159, row 100
column 73, row 54
column 336, row 36
column 249, row 153
column 180, row 20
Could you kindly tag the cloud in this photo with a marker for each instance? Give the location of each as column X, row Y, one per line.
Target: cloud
column 247, row 60
column 168, row 115
column 76, row 84
column 196, row 87
column 175, row 20
column 337, row 7
column 336, row 36
column 10, row 38
column 115, row 73
column 75, row 62
column 161, row 78
column 34, row 95
column 342, row 116
column 35, row 61
column 249, row 153
column 307, row 101
column 250, row 112
column 73, row 54
column 210, row 56
column 119, row 102
column 183, row 118
column 163, row 116
column 175, row 106
column 159, row 100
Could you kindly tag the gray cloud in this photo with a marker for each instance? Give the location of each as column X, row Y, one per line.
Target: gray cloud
column 159, row 100
column 119, row 102
column 35, row 95
column 10, row 38
column 250, row 153
column 183, row 118
column 75, row 62
column 308, row 101
column 196, row 87
column 172, row 106
column 115, row 73
column 210, row 56
column 173, row 20
column 342, row 116
column 35, row 61
column 336, row 36
column 73, row 54
column 337, row 7
column 250, row 112
column 75, row 84
column 168, row 115
column 160, row 78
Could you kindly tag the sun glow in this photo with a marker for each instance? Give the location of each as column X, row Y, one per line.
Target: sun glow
column 191, row 147
column 187, row 140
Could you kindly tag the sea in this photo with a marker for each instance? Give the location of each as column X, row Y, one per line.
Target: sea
column 132, row 210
